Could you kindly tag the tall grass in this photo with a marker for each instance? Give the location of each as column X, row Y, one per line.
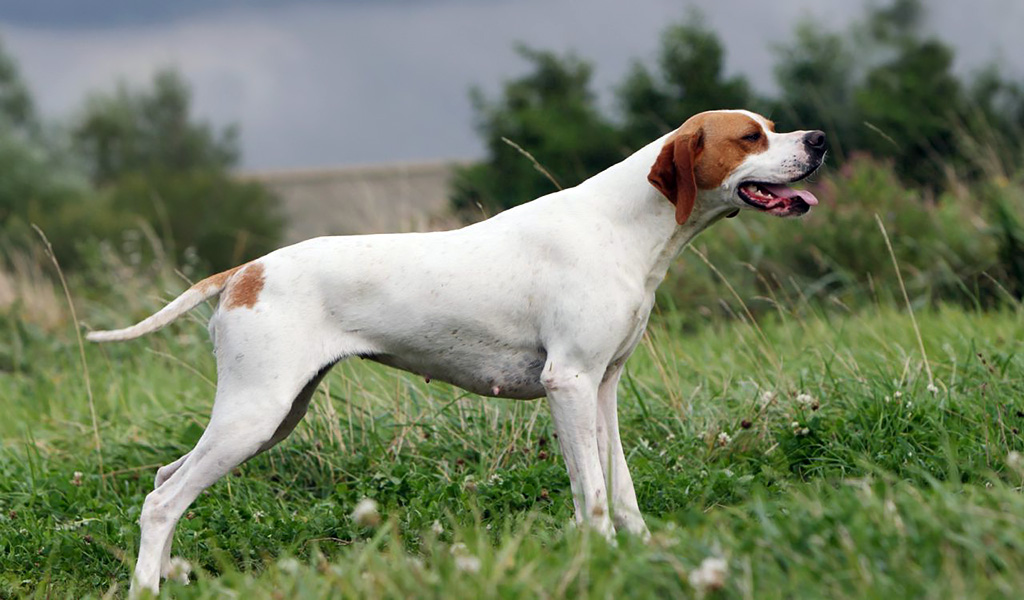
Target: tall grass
column 27, row 292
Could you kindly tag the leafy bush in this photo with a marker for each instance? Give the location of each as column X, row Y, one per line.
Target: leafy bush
column 202, row 211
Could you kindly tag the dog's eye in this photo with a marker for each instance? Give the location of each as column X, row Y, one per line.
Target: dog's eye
column 753, row 137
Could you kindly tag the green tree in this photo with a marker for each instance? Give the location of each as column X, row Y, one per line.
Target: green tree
column 690, row 79
column 39, row 183
column 885, row 87
column 912, row 103
column 145, row 150
column 815, row 75
column 552, row 114
column 139, row 130
column 16, row 106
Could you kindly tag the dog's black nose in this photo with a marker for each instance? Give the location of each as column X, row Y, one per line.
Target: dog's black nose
column 815, row 140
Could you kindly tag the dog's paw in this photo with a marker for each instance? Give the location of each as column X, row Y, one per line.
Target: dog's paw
column 178, row 569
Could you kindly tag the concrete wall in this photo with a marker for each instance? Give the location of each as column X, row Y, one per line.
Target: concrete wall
column 365, row 199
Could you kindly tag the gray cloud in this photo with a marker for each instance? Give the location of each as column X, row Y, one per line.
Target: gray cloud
column 76, row 14
column 357, row 82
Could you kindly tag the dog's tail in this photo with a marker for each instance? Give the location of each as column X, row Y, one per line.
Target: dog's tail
column 207, row 288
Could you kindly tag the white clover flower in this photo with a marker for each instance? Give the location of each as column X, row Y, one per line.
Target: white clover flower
column 767, row 397
column 724, row 439
column 897, row 394
column 467, row 564
column 933, row 388
column 1015, row 460
column 464, row 561
column 365, row 513
column 437, row 528
column 289, row 565
column 807, row 401
column 76, row 478
column 710, row 575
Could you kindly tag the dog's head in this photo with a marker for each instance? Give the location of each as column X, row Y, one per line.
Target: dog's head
column 736, row 159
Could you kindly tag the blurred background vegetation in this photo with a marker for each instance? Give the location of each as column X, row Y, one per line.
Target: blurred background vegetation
column 130, row 160
column 135, row 185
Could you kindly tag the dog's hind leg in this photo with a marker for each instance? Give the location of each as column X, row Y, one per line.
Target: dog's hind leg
column 295, row 414
column 250, row 414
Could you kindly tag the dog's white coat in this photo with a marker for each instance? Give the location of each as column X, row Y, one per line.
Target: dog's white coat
column 546, row 299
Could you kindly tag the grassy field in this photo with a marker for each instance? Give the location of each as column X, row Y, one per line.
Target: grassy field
column 819, row 454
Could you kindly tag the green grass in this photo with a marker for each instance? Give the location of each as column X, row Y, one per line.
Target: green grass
column 893, row 491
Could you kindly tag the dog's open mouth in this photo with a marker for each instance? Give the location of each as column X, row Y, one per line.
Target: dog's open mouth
column 776, row 198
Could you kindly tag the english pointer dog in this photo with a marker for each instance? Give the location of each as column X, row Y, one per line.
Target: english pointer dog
column 546, row 299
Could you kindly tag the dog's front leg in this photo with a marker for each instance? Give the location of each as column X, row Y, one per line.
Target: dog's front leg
column 625, row 510
column 572, row 395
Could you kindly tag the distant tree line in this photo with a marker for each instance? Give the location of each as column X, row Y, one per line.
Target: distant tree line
column 129, row 159
column 884, row 87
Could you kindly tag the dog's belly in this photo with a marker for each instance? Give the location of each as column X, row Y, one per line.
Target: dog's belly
column 503, row 373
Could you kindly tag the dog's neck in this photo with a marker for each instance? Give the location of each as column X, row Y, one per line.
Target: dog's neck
column 645, row 217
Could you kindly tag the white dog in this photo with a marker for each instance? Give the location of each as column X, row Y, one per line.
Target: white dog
column 546, row 299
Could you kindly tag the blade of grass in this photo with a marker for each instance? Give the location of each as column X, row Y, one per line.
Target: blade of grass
column 81, row 352
column 906, row 298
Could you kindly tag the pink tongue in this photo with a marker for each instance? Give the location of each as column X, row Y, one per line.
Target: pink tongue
column 787, row 192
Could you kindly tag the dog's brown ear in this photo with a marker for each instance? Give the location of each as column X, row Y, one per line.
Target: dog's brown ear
column 672, row 174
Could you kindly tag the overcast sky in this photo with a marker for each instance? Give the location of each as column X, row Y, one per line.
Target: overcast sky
column 320, row 83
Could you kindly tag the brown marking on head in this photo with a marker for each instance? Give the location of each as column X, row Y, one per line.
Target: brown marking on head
column 244, row 290
column 702, row 153
column 217, row 281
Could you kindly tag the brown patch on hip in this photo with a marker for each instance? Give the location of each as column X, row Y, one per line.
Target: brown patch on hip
column 244, row 290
